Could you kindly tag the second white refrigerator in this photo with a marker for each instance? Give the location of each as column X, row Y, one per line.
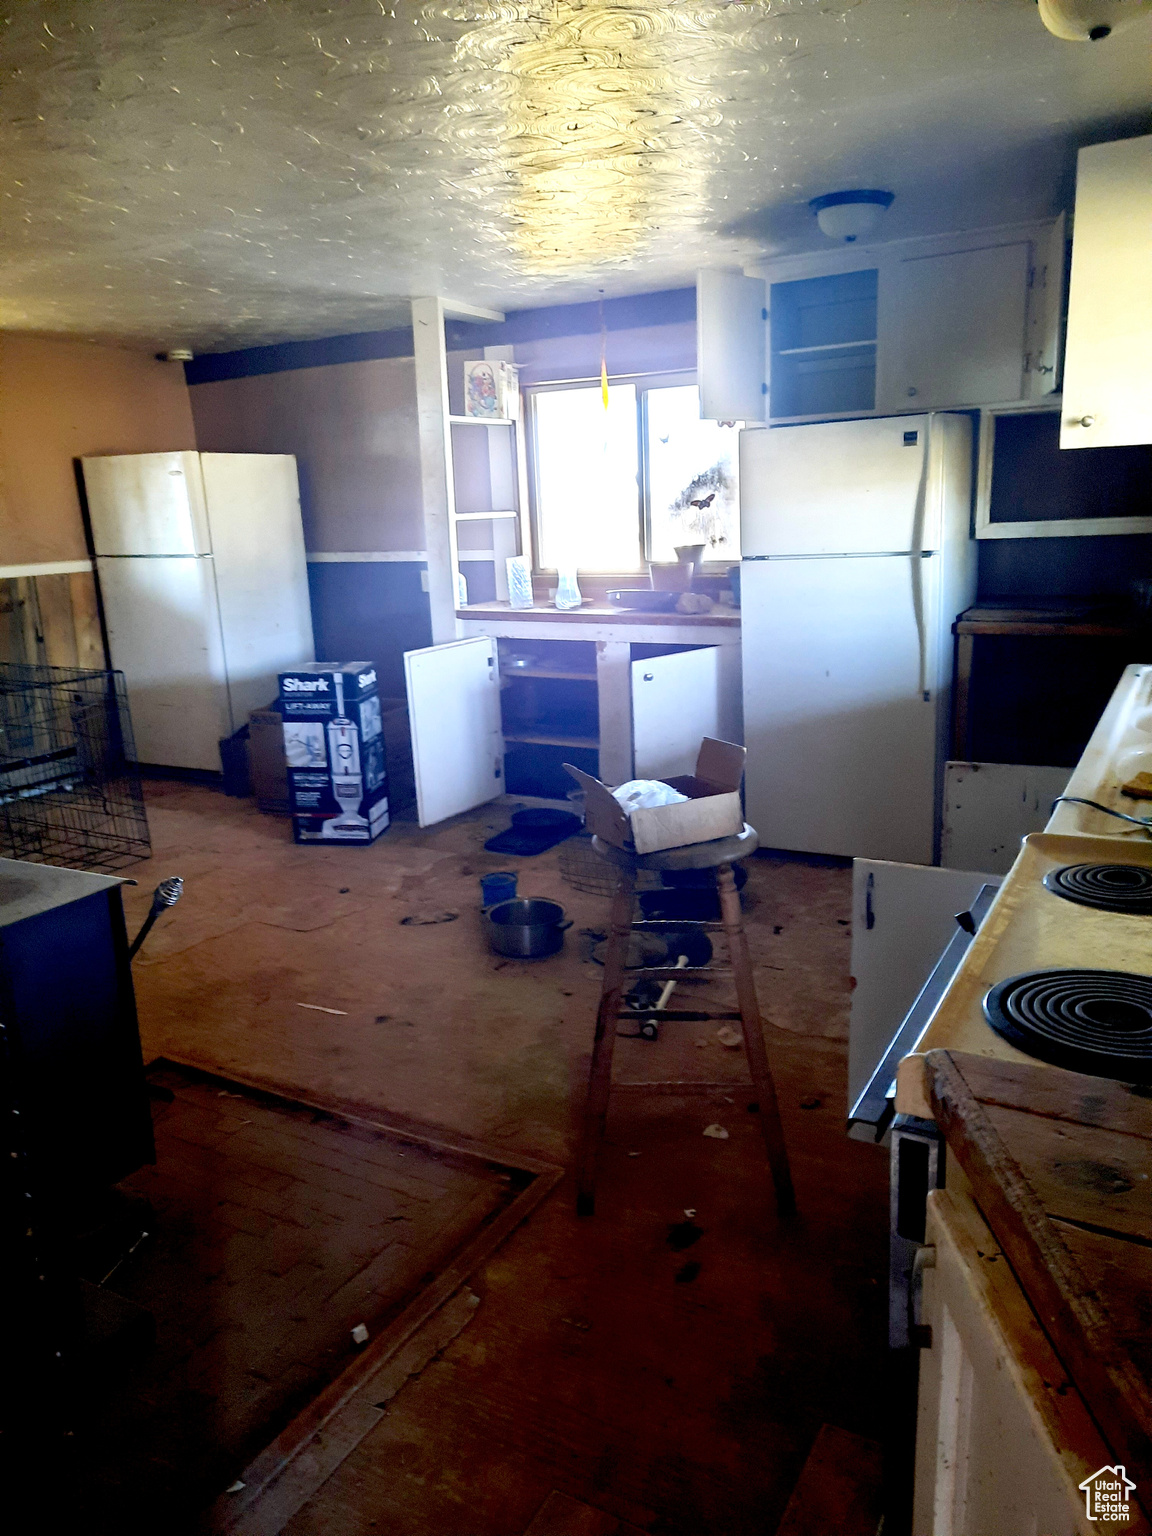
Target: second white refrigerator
column 857, row 557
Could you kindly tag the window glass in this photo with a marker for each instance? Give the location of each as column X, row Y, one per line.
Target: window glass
column 587, row 468
column 692, row 477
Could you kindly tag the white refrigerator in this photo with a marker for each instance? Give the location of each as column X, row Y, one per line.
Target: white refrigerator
column 857, row 557
column 204, row 583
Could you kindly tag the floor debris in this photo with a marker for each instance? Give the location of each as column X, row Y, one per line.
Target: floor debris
column 717, row 1132
column 683, row 1234
column 360, row 1334
column 427, row 919
column 732, row 1038
column 319, row 1008
column 687, row 1272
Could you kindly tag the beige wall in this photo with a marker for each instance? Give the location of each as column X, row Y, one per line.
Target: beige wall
column 61, row 399
column 353, row 429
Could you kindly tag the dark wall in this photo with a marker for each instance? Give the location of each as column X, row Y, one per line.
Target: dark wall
column 371, row 611
column 1054, row 568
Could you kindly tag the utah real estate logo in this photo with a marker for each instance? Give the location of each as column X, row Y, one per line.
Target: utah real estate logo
column 1107, row 1494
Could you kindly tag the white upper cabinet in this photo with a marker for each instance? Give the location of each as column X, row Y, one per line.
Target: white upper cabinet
column 1107, row 381
column 730, row 363
column 958, row 335
column 1046, row 312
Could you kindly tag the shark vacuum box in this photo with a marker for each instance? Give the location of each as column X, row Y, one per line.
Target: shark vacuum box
column 334, row 746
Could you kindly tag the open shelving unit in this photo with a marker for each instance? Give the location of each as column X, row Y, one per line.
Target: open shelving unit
column 823, row 357
column 473, row 484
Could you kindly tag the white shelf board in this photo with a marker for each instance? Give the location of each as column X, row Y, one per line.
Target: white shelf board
column 481, row 421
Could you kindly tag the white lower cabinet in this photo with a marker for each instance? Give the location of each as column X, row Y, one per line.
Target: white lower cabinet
column 612, row 708
column 1003, row 1438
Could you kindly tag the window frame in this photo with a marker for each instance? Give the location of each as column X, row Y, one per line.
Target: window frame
column 644, row 383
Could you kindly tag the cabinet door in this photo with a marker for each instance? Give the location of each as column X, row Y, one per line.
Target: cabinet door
column 1107, row 381
column 675, row 704
column 454, row 714
column 959, row 329
column 903, row 916
column 730, row 356
column 1003, row 1439
column 1046, row 312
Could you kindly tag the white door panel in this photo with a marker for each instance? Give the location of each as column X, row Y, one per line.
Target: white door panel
column 675, row 704
column 164, row 635
column 730, row 346
column 147, row 504
column 960, row 322
column 261, row 572
column 1004, row 1441
column 903, row 916
column 454, row 714
column 989, row 808
column 841, row 740
column 1107, row 381
column 841, row 487
column 1046, row 313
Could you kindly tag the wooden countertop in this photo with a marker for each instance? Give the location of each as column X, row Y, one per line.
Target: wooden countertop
column 598, row 613
column 1058, row 1165
column 1094, row 619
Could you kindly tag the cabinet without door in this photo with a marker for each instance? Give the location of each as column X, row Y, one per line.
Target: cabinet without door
column 1107, row 384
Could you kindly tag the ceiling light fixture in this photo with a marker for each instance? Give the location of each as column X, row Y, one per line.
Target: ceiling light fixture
column 1090, row 21
column 848, row 215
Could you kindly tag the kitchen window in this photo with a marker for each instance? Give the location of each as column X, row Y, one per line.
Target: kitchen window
column 614, row 487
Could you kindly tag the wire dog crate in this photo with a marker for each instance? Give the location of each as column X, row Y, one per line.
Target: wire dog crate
column 70, row 788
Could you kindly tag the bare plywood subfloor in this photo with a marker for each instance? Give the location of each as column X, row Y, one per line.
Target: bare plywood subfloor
column 274, row 1230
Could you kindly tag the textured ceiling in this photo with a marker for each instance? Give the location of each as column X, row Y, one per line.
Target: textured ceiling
column 189, row 172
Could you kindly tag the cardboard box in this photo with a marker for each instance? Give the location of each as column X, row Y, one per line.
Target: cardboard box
column 712, row 810
column 398, row 754
column 267, row 765
column 334, row 748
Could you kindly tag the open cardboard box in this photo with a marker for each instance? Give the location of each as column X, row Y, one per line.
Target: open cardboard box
column 711, row 810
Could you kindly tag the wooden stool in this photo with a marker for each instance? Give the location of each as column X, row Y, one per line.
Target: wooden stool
column 718, row 855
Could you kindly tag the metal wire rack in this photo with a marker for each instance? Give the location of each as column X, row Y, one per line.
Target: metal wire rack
column 70, row 789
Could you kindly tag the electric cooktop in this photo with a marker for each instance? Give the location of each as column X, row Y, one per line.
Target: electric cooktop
column 1097, row 1022
column 1108, row 887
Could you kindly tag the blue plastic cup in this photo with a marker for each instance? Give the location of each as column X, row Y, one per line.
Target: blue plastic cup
column 498, row 887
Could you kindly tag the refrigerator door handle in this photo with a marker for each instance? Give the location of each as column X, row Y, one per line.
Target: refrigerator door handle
column 916, row 563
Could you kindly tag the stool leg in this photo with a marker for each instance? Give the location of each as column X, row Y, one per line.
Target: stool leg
column 600, row 1077
column 754, row 1041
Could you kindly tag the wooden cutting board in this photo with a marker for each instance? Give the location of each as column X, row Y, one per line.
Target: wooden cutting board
column 1061, row 1167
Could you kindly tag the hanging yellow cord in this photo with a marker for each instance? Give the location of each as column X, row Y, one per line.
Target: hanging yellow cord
column 603, row 354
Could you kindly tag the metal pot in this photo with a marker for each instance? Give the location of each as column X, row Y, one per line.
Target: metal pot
column 526, row 929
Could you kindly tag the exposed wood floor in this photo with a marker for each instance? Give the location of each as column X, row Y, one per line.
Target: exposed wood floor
column 269, row 1233
column 676, row 1386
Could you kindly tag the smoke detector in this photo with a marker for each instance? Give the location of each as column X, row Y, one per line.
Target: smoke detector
column 1090, row 21
column 848, row 215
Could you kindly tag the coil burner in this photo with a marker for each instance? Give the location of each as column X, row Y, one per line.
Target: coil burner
column 1110, row 887
column 1099, row 1022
